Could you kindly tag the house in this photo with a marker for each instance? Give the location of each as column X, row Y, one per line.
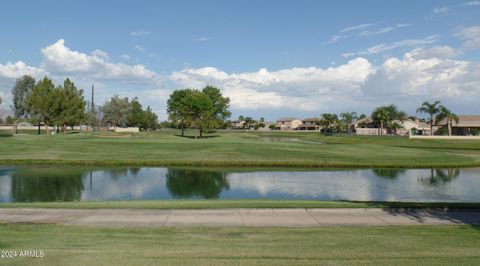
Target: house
column 288, row 123
column 467, row 125
column 366, row 126
column 266, row 126
column 236, row 124
column 309, row 124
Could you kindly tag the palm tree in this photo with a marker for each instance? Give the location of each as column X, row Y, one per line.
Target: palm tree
column 381, row 115
column 328, row 121
column 395, row 125
column 432, row 109
column 348, row 118
column 445, row 113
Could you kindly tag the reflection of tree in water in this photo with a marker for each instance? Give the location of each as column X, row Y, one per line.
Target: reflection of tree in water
column 388, row 173
column 440, row 176
column 47, row 184
column 185, row 183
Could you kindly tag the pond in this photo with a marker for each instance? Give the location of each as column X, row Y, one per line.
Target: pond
column 44, row 184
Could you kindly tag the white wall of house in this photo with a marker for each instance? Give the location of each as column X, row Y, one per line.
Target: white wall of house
column 370, row 131
column 289, row 125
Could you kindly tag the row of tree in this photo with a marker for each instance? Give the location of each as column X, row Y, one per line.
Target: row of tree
column 198, row 109
column 64, row 106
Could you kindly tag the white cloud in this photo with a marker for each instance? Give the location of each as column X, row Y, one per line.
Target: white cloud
column 60, row 60
column 293, row 88
column 139, row 33
column 441, row 10
column 15, row 70
column 403, row 43
column 204, row 39
column 356, row 27
column 421, row 74
column 441, row 52
column 471, row 36
column 368, row 33
column 472, row 3
column 125, row 57
column 140, row 48
column 402, row 25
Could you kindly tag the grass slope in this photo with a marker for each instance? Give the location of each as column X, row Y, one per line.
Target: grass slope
column 69, row 245
column 238, row 149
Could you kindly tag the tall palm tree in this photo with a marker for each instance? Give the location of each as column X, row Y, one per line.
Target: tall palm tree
column 328, row 121
column 445, row 113
column 432, row 109
column 348, row 118
column 381, row 115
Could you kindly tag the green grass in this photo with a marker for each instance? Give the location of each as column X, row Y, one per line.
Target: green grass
column 70, row 245
column 237, row 149
column 223, row 204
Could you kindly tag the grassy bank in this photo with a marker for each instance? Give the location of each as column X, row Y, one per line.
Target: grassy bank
column 223, row 204
column 69, row 245
column 238, row 149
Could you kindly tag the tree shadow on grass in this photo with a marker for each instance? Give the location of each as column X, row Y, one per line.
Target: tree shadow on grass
column 439, row 216
column 5, row 135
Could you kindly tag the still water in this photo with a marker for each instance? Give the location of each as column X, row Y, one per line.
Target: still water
column 30, row 184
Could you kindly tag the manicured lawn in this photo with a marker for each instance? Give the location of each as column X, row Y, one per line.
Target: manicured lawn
column 237, row 149
column 69, row 245
column 224, row 204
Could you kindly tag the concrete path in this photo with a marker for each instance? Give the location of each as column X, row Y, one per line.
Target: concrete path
column 239, row 217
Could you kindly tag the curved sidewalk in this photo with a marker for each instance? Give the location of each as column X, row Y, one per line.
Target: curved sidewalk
column 239, row 217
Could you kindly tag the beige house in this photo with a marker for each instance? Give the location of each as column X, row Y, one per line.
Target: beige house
column 238, row 124
column 467, row 125
column 288, row 123
column 309, row 124
column 365, row 127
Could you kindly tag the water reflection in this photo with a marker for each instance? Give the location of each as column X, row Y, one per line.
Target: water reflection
column 147, row 183
column 46, row 184
column 440, row 176
column 187, row 183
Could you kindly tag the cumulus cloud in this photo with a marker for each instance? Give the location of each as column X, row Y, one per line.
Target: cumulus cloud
column 471, row 36
column 60, row 60
column 421, row 74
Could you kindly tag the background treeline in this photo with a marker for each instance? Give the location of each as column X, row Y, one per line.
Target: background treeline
column 64, row 106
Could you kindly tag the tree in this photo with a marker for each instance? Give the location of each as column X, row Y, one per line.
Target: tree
column 43, row 102
column 383, row 115
column 115, row 111
column 328, row 122
column 199, row 109
column 395, row 125
column 431, row 109
column 151, row 119
column 91, row 119
column 71, row 105
column 445, row 113
column 241, row 118
column 272, row 126
column 176, row 108
column 220, row 106
column 136, row 115
column 348, row 118
column 21, row 91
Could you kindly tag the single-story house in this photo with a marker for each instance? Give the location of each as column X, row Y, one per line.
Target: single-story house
column 309, row 124
column 288, row 123
column 238, row 124
column 467, row 125
column 365, row 126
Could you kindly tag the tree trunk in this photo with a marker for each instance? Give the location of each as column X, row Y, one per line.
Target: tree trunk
column 47, row 130
column 200, row 130
column 431, row 125
column 14, row 127
column 65, row 128
column 182, row 130
column 381, row 128
column 449, row 127
column 38, row 128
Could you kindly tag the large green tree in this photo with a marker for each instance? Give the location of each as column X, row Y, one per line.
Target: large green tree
column 43, row 102
column 20, row 93
column 384, row 115
column 151, row 119
column 71, row 105
column 432, row 109
column 136, row 115
column 198, row 109
column 115, row 111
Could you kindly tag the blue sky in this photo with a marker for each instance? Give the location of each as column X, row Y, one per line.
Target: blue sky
column 272, row 58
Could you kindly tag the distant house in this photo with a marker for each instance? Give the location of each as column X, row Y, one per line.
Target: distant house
column 467, row 125
column 237, row 124
column 309, row 124
column 267, row 126
column 289, row 123
column 366, row 126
